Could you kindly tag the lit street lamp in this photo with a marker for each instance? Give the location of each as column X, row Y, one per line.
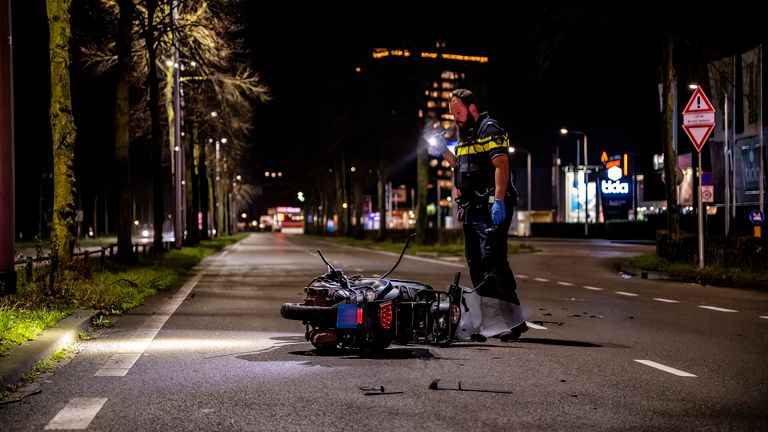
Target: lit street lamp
column 564, row 131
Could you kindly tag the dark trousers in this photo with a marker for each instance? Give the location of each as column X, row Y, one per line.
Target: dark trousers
column 486, row 251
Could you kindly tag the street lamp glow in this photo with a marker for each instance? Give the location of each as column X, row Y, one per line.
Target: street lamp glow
column 280, row 174
column 266, row 173
column 274, row 175
column 238, row 177
column 563, row 131
column 244, row 215
column 223, row 140
column 193, row 63
column 511, row 149
column 136, row 223
column 693, row 86
column 214, row 113
column 345, row 205
column 353, row 169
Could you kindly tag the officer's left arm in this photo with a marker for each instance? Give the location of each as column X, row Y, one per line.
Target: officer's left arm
column 501, row 176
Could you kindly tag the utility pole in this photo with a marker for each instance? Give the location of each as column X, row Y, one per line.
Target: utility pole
column 7, row 198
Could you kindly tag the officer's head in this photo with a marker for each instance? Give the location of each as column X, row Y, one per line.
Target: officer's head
column 463, row 107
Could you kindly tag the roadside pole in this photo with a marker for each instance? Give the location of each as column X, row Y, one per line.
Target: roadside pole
column 698, row 122
column 7, row 198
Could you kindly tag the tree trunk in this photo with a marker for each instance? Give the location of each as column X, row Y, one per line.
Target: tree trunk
column 122, row 131
column 670, row 158
column 156, row 131
column 422, row 178
column 381, row 175
column 63, row 130
column 191, row 189
column 205, row 203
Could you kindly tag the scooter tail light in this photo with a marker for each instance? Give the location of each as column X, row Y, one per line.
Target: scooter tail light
column 359, row 315
column 385, row 316
column 455, row 314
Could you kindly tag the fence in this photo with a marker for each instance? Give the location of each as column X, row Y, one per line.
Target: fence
column 104, row 252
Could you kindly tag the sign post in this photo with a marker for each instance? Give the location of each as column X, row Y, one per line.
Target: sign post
column 698, row 122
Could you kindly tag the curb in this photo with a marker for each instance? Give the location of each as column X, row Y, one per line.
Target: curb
column 23, row 358
column 644, row 274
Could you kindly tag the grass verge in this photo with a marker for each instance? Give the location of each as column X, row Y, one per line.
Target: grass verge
column 709, row 275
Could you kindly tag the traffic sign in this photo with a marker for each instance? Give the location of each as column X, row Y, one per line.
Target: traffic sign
column 707, row 193
column 756, row 217
column 698, row 118
column 699, row 103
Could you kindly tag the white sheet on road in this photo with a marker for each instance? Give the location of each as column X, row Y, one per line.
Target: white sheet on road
column 488, row 316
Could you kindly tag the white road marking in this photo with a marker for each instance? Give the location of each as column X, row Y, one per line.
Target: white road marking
column 717, row 309
column 671, row 370
column 78, row 414
column 359, row 270
column 541, row 280
column 626, row 293
column 592, row 288
column 665, row 300
column 764, row 316
column 535, row 326
column 565, row 283
column 121, row 362
column 522, row 276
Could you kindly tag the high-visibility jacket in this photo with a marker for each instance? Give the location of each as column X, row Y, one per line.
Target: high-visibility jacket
column 474, row 172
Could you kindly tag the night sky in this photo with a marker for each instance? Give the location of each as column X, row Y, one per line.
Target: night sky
column 599, row 76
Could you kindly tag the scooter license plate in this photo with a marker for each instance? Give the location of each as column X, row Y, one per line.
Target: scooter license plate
column 347, row 316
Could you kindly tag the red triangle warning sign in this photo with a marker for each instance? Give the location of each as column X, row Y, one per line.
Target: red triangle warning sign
column 698, row 134
column 699, row 103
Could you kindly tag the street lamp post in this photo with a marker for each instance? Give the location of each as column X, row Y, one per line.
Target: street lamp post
column 564, row 131
column 528, row 171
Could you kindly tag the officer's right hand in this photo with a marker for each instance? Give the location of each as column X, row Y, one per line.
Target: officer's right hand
column 438, row 143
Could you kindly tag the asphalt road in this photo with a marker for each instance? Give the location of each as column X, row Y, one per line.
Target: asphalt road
column 611, row 353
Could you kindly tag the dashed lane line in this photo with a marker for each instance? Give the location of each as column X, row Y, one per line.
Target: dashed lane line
column 714, row 308
column 78, row 414
column 565, row 283
column 665, row 300
column 541, row 280
column 764, row 316
column 624, row 293
column 666, row 368
column 592, row 288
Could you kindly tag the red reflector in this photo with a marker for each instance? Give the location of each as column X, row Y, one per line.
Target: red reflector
column 359, row 315
column 385, row 315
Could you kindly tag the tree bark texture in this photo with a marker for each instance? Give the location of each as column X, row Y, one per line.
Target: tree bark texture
column 62, row 129
column 670, row 158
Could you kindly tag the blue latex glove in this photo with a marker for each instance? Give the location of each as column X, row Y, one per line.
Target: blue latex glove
column 437, row 144
column 498, row 212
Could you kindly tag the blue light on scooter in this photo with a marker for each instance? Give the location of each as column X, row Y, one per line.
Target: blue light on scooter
column 349, row 316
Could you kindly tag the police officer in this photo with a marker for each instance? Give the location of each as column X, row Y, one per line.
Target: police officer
column 486, row 199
